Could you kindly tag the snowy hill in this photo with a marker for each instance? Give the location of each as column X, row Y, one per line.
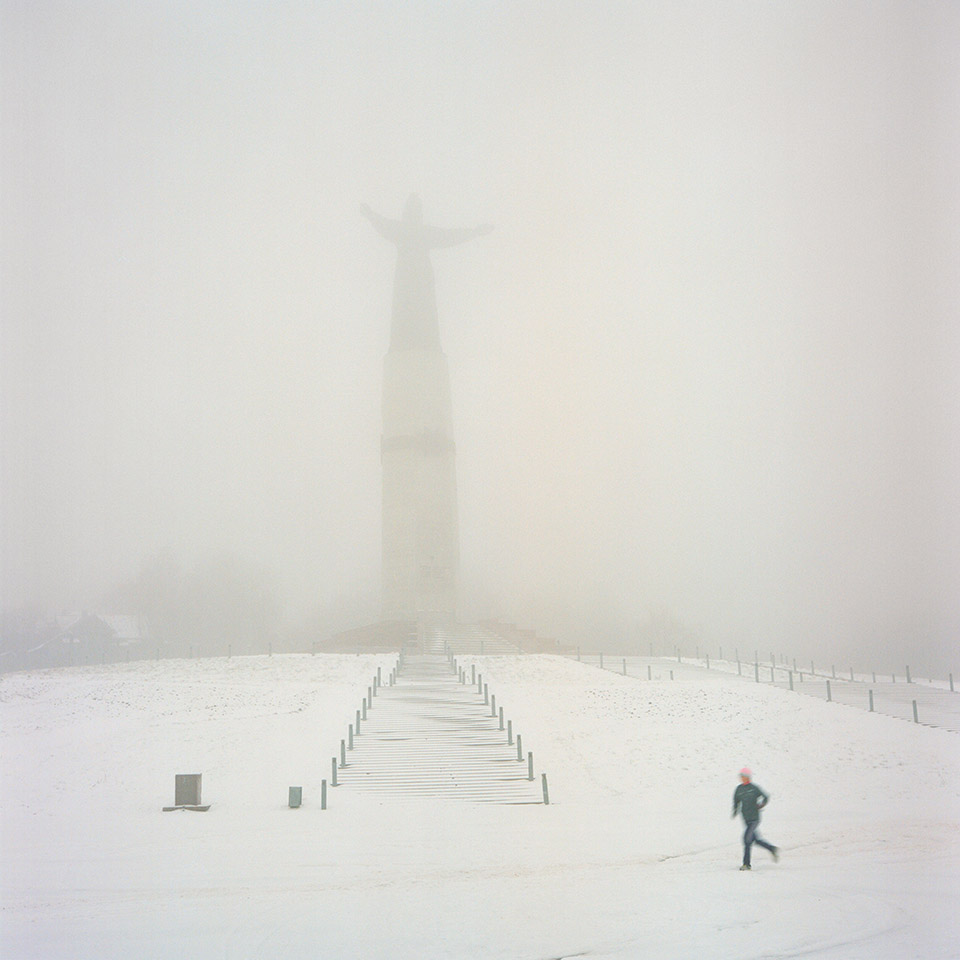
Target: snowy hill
column 636, row 855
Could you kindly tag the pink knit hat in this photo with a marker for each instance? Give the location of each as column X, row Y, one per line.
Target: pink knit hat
column 745, row 772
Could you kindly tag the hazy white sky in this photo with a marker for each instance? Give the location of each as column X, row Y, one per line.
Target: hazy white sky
column 707, row 362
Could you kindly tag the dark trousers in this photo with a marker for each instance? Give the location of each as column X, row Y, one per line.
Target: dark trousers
column 750, row 837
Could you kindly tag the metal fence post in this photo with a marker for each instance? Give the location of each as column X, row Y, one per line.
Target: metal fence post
column 828, row 691
column 871, row 701
column 519, row 747
column 915, row 718
column 510, row 732
column 546, row 792
column 333, row 772
column 530, row 765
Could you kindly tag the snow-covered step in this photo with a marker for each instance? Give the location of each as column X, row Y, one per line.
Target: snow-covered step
column 429, row 736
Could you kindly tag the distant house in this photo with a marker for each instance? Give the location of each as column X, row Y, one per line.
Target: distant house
column 121, row 630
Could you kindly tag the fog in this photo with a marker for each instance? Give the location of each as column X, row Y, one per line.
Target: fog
column 704, row 368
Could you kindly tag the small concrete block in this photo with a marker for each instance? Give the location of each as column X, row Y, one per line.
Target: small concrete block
column 187, row 790
column 296, row 796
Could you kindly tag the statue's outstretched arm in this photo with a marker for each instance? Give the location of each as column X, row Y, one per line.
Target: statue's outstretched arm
column 436, row 237
column 384, row 226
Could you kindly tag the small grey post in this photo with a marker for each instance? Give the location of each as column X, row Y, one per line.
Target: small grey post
column 473, row 673
column 379, row 677
column 530, row 765
column 479, row 683
column 915, row 718
column 874, row 676
column 893, row 678
column 186, row 789
column 756, row 671
column 773, row 677
column 828, row 691
column 270, row 648
column 546, row 792
column 364, row 706
column 739, row 672
column 671, row 674
column 813, row 672
column 229, row 650
column 333, row 772
column 481, row 648
column 294, row 797
column 370, row 695
column 624, row 666
column 519, row 747
column 493, row 705
column 601, row 661
column 486, row 693
column 834, row 669
column 501, row 718
column 871, row 700
column 951, row 684
column 578, row 654
column 851, row 674
column 708, row 661
column 790, row 674
column 678, row 654
column 343, row 753
column 510, row 732
column 908, row 675
column 350, row 737
column 323, row 794
column 649, row 672
column 356, row 725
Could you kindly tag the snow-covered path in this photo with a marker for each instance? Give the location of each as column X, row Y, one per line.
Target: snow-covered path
column 429, row 736
column 634, row 857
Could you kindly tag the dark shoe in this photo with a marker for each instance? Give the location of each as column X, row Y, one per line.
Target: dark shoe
column 776, row 854
column 746, row 866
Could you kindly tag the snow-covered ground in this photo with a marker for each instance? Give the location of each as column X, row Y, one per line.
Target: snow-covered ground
column 636, row 855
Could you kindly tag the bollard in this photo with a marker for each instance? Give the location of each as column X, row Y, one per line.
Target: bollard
column 479, row 683
column 364, row 706
column 519, row 747
column 343, row 753
column 739, row 674
column 481, row 648
column 546, row 793
column 813, row 672
column 294, row 797
column 893, row 678
column 871, row 700
column 834, row 669
column 578, row 654
column 649, row 672
column 874, row 676
column 501, row 718
column 370, row 695
column 678, row 654
column 333, row 772
column 473, row 673
column 350, row 737
column 530, row 765
column 721, row 653
column 486, row 693
column 851, row 674
column 493, row 705
column 601, row 661
column 772, row 676
column 323, row 794
column 708, row 661
column 908, row 675
column 671, row 674
column 915, row 719
column 794, row 664
column 379, row 677
column 357, row 724
column 801, row 676
column 756, row 671
column 229, row 650
column 951, row 684
column 510, row 732
column 829, row 698
column 624, row 666
column 791, row 679
column 270, row 649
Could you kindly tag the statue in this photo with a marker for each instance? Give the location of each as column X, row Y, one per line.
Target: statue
column 414, row 322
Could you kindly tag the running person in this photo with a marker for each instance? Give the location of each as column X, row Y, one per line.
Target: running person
column 750, row 800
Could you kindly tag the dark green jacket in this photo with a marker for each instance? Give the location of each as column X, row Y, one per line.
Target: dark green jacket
column 750, row 799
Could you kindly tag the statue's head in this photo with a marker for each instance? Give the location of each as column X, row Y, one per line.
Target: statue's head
column 413, row 209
